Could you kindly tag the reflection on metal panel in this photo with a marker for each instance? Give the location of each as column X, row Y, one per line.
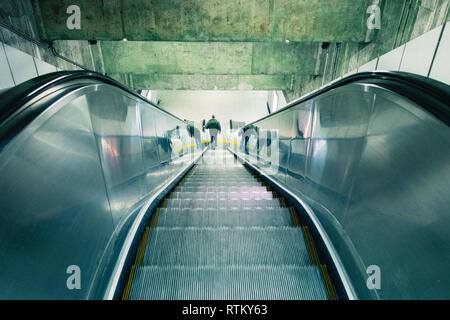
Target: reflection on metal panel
column 119, row 141
column 54, row 210
column 72, row 184
column 374, row 168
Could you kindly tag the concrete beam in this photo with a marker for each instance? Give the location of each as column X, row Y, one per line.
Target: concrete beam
column 203, row 82
column 142, row 57
column 214, row 20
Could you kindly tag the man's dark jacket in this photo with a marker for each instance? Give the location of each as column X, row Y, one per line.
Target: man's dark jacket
column 213, row 124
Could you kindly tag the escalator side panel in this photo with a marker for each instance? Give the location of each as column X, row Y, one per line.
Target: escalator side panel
column 374, row 167
column 52, row 197
column 73, row 181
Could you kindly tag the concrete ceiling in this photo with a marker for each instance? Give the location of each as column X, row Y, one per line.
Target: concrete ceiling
column 218, row 44
column 209, row 20
column 210, row 65
column 205, row 44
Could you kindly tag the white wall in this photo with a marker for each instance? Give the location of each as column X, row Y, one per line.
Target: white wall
column 440, row 69
column 17, row 66
column 237, row 105
column 427, row 55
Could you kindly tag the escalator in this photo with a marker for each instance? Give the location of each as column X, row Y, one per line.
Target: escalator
column 220, row 234
column 107, row 196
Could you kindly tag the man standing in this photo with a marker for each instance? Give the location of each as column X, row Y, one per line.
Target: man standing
column 214, row 129
column 194, row 133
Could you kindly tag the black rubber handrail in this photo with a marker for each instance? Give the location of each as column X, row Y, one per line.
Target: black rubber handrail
column 430, row 94
column 15, row 98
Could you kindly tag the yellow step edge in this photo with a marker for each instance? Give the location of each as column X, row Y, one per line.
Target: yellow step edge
column 139, row 252
column 323, row 268
column 126, row 293
column 310, row 246
column 155, row 218
column 142, row 247
column 330, row 289
column 294, row 217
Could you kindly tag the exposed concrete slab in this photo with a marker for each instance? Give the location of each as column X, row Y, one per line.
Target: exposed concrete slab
column 233, row 38
column 177, row 57
column 141, row 57
column 286, row 58
column 215, row 20
column 99, row 19
column 204, row 82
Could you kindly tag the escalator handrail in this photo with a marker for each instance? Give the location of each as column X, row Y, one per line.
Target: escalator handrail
column 15, row 98
column 430, row 94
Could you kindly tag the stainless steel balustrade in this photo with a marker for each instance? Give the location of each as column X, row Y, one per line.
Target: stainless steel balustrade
column 72, row 183
column 375, row 169
column 372, row 166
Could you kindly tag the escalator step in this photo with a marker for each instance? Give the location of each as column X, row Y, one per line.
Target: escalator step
column 230, row 171
column 221, row 178
column 226, row 204
column 224, row 172
column 216, row 178
column 211, row 183
column 217, row 169
column 250, row 189
column 241, row 176
column 228, row 283
column 224, row 217
column 221, row 195
column 226, row 246
column 222, row 235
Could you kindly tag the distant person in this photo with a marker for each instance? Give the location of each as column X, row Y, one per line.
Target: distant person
column 214, row 129
column 245, row 133
column 194, row 133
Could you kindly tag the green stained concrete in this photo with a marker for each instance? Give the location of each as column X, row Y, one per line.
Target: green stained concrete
column 204, row 82
column 214, row 20
column 223, row 44
column 320, row 20
column 285, row 58
column 209, row 58
column 197, row 20
column 99, row 19
column 177, row 57
column 401, row 22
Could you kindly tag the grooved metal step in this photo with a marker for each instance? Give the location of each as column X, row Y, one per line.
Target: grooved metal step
column 218, row 181
column 226, row 204
column 216, row 178
column 231, row 172
column 249, row 189
column 226, row 246
column 220, row 172
column 212, row 183
column 224, row 217
column 225, row 172
column 222, row 235
column 221, row 195
column 197, row 176
column 228, row 283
